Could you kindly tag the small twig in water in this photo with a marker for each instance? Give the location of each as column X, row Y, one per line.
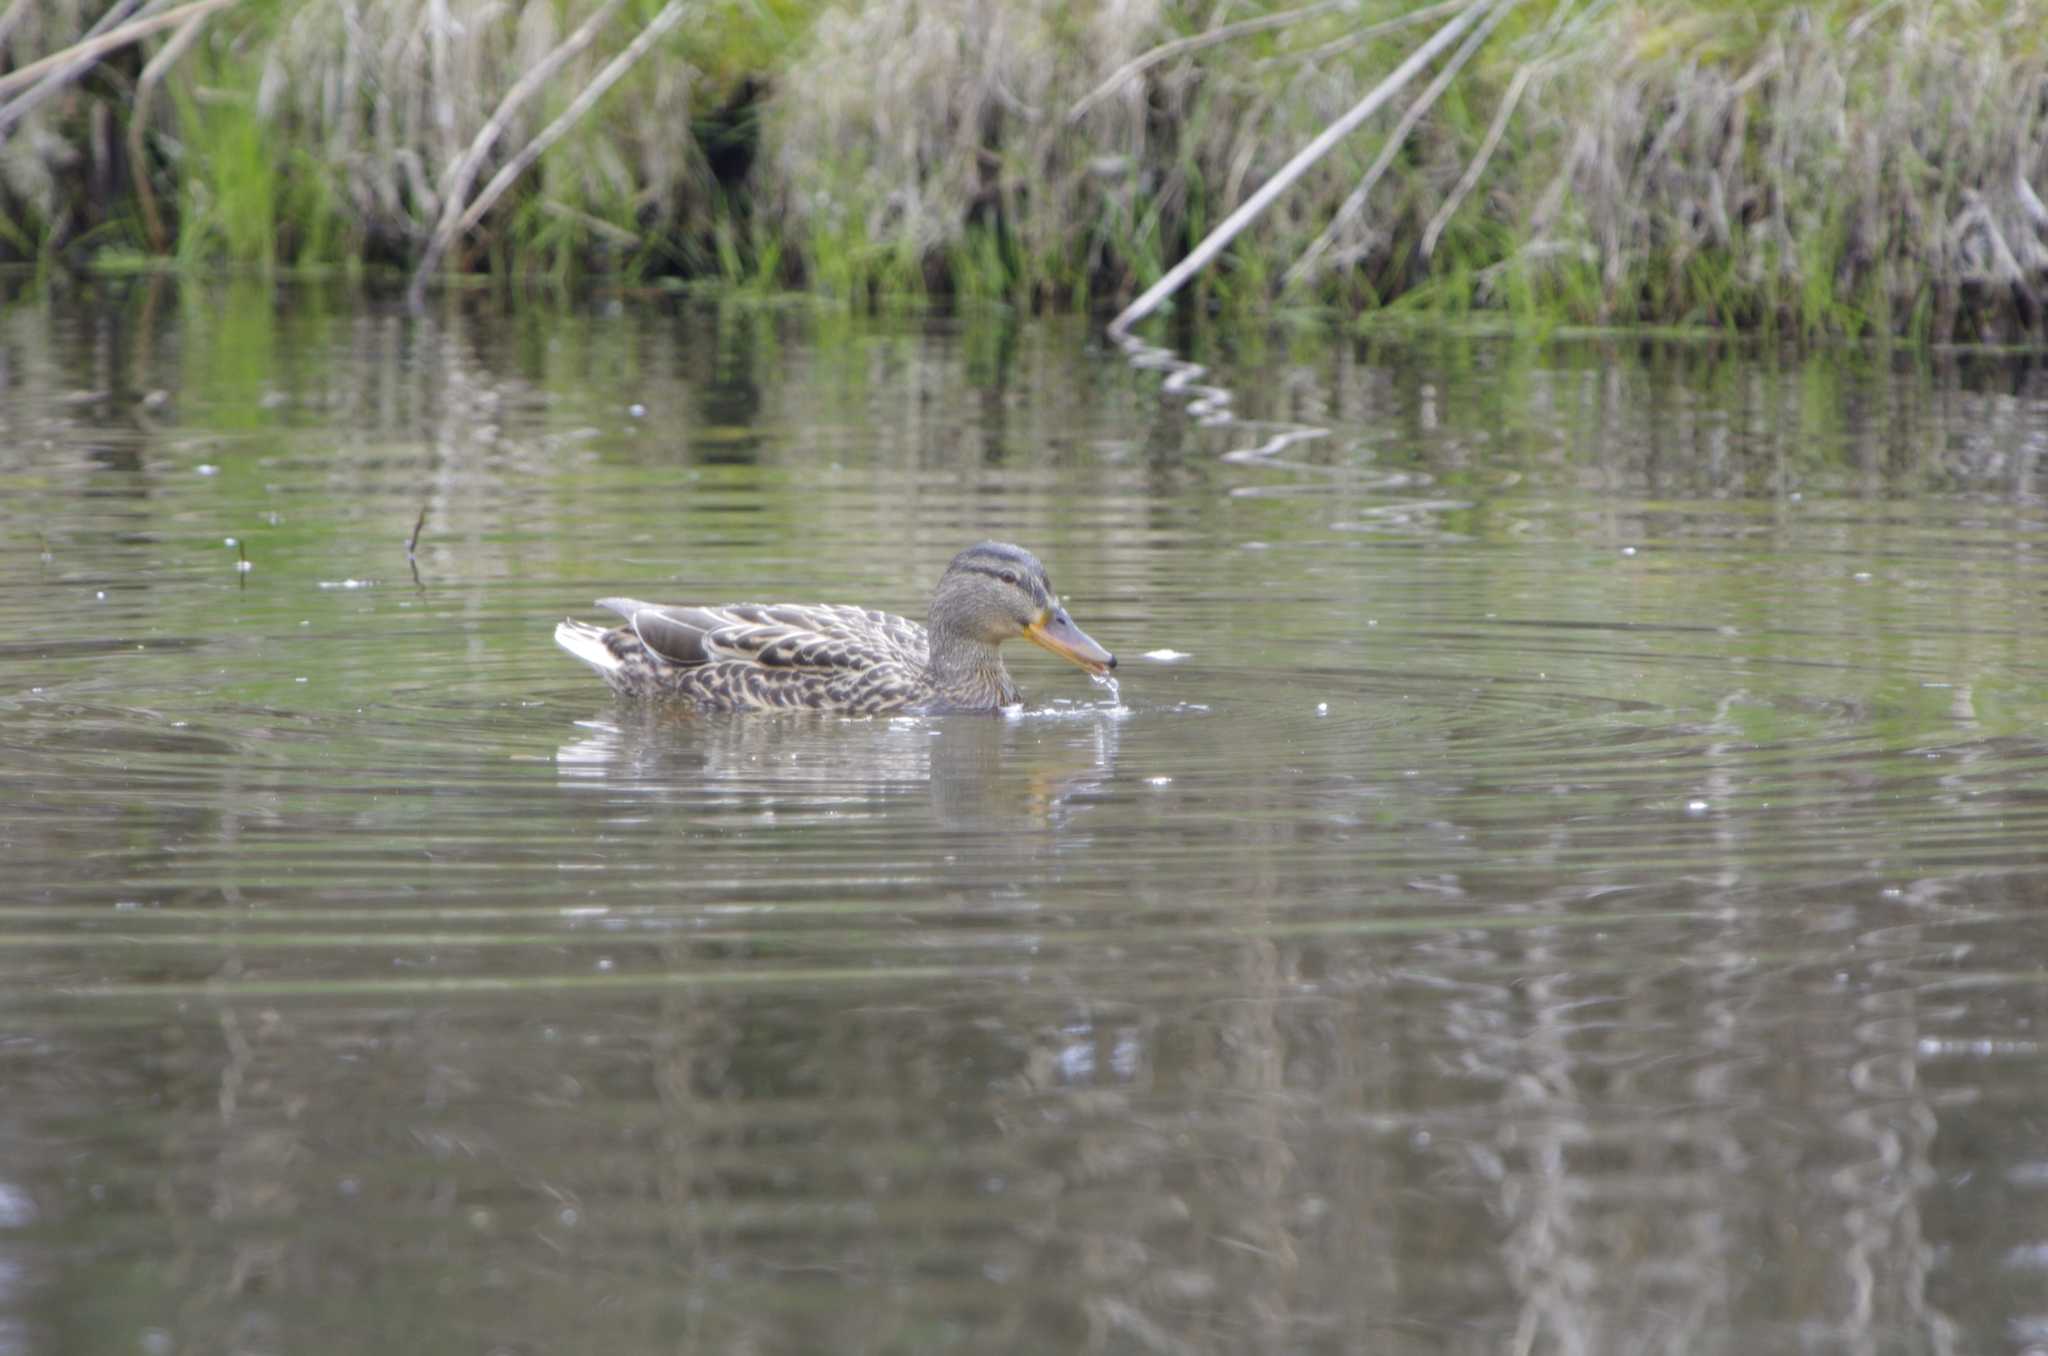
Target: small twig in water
column 412, row 545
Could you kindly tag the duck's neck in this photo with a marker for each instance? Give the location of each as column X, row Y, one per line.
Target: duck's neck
column 969, row 672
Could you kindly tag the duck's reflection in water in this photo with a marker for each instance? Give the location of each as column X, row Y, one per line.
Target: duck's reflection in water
column 1032, row 767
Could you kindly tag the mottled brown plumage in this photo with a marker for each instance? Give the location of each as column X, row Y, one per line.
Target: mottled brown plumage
column 831, row 657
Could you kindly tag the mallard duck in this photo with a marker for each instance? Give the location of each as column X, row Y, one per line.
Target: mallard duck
column 830, row 657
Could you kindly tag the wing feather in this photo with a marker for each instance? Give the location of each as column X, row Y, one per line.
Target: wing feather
column 778, row 642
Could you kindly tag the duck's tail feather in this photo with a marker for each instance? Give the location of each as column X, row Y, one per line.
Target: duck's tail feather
column 587, row 643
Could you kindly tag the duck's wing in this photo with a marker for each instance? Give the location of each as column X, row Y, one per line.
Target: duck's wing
column 822, row 638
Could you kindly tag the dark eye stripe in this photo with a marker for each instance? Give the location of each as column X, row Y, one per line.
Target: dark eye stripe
column 1040, row 588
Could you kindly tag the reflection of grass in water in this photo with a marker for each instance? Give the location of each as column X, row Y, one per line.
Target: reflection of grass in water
column 861, row 944
column 860, row 941
column 234, row 349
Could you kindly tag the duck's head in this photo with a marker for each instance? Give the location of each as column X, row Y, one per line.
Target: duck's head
column 993, row 592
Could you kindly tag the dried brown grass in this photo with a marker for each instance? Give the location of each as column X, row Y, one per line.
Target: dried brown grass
column 392, row 94
column 1813, row 168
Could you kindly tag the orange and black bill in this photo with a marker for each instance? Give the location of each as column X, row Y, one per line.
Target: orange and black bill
column 1056, row 631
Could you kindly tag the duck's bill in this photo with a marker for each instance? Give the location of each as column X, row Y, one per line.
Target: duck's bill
column 1055, row 631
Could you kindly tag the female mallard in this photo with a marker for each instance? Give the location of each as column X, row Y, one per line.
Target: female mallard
column 826, row 657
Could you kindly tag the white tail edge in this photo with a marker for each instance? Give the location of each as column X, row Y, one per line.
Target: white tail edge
column 586, row 642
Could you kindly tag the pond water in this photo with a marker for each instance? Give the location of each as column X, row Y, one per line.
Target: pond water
column 1563, row 871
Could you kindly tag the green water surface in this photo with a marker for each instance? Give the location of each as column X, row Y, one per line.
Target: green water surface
column 1563, row 870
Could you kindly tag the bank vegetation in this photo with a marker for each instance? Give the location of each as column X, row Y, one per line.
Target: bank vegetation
column 1812, row 169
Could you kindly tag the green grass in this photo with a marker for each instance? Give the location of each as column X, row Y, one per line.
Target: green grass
column 232, row 184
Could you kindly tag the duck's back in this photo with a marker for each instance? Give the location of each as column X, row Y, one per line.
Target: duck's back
column 753, row 656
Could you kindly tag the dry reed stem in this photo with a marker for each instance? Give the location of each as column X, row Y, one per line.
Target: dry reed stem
column 597, row 226
column 1423, row 102
column 11, row 18
column 1213, row 243
column 441, row 96
column 671, row 14
column 1194, row 42
column 97, row 46
column 585, row 100
column 1311, row 55
column 59, row 69
column 1479, row 161
column 461, row 173
column 138, row 122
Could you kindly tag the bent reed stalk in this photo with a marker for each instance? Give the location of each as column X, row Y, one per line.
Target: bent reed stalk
column 1286, row 175
column 1806, row 169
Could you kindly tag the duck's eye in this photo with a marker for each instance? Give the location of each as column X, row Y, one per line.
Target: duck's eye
column 1009, row 577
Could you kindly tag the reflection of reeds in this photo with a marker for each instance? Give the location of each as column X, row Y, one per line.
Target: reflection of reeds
column 1830, row 168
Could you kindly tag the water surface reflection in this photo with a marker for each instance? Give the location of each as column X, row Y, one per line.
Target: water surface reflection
column 1566, row 882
